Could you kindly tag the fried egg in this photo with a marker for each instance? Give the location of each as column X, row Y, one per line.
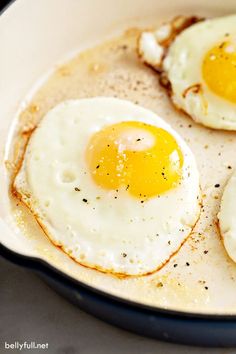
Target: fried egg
column 198, row 66
column 111, row 183
column 226, row 216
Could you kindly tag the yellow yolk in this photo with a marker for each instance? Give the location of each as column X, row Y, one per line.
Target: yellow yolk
column 219, row 70
column 141, row 158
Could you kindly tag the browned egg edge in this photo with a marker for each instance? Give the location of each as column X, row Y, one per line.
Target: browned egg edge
column 21, row 197
column 178, row 24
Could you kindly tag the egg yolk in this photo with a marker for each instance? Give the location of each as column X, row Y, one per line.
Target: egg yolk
column 219, row 70
column 141, row 158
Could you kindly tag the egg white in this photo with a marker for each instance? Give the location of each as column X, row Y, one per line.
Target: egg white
column 182, row 65
column 113, row 235
column 227, row 219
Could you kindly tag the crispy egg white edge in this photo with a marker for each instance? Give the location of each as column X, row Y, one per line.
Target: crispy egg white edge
column 227, row 218
column 22, row 187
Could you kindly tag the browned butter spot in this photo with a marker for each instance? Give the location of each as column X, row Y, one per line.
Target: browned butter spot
column 196, row 88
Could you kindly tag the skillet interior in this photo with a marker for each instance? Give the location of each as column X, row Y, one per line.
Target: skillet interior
column 184, row 287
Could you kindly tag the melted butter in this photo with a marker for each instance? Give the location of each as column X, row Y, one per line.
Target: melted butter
column 113, row 69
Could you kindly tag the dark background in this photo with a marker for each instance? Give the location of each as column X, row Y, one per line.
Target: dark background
column 3, row 3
